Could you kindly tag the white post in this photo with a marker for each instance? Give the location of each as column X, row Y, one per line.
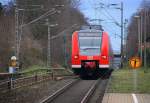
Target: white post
column 17, row 30
column 48, row 46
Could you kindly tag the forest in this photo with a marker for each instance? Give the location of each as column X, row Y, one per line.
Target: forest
column 143, row 20
column 34, row 37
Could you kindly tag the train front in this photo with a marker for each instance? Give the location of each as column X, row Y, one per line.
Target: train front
column 86, row 52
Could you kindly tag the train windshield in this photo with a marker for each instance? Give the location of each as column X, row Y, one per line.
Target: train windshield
column 90, row 43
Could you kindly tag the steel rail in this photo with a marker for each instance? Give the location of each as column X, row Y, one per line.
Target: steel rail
column 59, row 92
column 90, row 92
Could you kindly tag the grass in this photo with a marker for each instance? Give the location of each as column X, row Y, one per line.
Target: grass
column 124, row 81
column 61, row 72
column 38, row 70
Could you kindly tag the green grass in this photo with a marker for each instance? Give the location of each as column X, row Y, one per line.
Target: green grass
column 123, row 81
column 38, row 70
column 61, row 72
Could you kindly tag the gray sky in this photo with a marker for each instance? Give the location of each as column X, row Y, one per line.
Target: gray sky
column 4, row 1
column 88, row 7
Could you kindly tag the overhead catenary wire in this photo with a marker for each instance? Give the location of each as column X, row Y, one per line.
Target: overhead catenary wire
column 20, row 26
column 110, row 27
column 106, row 15
column 110, row 31
column 50, row 12
column 112, row 17
column 62, row 33
column 109, row 16
column 115, row 43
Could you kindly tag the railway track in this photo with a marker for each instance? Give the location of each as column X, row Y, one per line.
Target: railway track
column 78, row 91
column 99, row 92
column 28, row 81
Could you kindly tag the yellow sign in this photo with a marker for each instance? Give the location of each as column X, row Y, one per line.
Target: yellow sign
column 135, row 62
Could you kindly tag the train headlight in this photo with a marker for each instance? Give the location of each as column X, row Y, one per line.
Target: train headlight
column 76, row 57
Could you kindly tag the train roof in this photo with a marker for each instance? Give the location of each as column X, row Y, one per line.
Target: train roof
column 95, row 27
column 89, row 30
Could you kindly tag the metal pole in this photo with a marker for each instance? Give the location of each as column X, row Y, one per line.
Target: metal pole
column 65, row 51
column 138, row 35
column 48, row 46
column 20, row 34
column 145, row 31
column 122, row 33
column 125, row 36
column 141, row 27
column 17, row 31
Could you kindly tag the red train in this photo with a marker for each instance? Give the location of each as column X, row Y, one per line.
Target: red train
column 91, row 53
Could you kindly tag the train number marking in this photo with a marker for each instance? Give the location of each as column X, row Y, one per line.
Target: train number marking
column 90, row 57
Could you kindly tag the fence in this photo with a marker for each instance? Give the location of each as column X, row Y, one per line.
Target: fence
column 129, row 81
column 24, row 81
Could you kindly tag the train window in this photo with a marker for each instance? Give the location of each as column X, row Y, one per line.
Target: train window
column 90, row 44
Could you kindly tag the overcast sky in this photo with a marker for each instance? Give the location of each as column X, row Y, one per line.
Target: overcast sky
column 88, row 7
column 4, row 1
